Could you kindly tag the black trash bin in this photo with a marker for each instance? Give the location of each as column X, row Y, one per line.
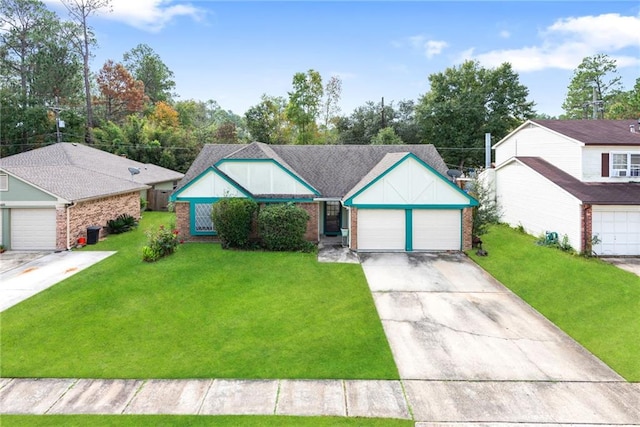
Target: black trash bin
column 93, row 234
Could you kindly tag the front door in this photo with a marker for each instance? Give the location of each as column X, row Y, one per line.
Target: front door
column 332, row 218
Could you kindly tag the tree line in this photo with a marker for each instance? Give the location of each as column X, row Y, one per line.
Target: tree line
column 129, row 107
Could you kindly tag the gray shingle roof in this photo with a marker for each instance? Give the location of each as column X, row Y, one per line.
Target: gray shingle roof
column 596, row 132
column 78, row 172
column 333, row 170
column 597, row 193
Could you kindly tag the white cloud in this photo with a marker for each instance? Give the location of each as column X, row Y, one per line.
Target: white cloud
column 567, row 41
column 430, row 48
column 434, row 47
column 505, row 34
column 147, row 15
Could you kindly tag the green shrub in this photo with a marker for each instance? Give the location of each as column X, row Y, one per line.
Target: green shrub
column 143, row 204
column 162, row 242
column 550, row 239
column 282, row 227
column 232, row 219
column 121, row 224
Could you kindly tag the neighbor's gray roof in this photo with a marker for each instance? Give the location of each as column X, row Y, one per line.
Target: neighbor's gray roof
column 333, row 170
column 596, row 193
column 78, row 172
column 596, row 132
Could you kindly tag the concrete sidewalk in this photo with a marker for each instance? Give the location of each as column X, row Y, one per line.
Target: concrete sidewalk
column 345, row 398
column 430, row 403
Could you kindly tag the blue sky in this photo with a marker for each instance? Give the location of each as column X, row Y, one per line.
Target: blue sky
column 233, row 52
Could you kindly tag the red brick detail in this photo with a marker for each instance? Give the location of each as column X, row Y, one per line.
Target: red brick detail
column 95, row 213
column 586, row 231
column 353, row 232
column 313, row 209
column 467, row 228
column 183, row 224
column 61, row 229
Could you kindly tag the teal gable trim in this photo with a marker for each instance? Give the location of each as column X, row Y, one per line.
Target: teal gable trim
column 472, row 201
column 293, row 175
column 176, row 196
column 408, row 215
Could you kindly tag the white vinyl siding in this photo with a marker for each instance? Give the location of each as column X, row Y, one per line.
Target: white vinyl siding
column 535, row 141
column 381, row 230
column 33, row 229
column 528, row 199
column 436, row 229
column 592, row 160
column 618, row 229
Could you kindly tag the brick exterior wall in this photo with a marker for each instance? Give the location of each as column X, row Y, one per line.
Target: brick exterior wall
column 96, row 213
column 313, row 209
column 354, row 229
column 586, row 231
column 467, row 229
column 61, row 229
column 183, row 224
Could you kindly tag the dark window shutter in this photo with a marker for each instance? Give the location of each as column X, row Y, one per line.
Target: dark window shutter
column 605, row 164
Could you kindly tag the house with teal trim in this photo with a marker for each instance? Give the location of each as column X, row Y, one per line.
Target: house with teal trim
column 380, row 197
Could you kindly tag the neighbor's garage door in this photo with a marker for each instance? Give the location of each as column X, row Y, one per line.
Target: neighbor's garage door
column 436, row 229
column 33, row 229
column 381, row 229
column 618, row 228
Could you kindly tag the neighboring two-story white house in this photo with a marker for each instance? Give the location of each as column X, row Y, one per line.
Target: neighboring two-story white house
column 579, row 178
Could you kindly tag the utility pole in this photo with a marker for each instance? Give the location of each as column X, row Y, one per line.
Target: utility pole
column 56, row 109
column 597, row 106
column 383, row 119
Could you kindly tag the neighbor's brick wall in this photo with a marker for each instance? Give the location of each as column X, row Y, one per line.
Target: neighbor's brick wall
column 61, row 229
column 467, row 228
column 354, row 229
column 586, row 230
column 97, row 212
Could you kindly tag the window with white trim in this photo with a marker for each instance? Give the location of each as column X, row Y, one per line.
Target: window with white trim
column 4, row 182
column 625, row 164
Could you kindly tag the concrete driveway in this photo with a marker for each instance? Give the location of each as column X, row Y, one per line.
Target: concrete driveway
column 469, row 350
column 26, row 274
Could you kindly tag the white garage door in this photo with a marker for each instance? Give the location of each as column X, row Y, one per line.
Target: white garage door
column 33, row 229
column 436, row 230
column 381, row 230
column 618, row 228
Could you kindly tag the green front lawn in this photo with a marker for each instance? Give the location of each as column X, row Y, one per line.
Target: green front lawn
column 596, row 303
column 196, row 420
column 200, row 313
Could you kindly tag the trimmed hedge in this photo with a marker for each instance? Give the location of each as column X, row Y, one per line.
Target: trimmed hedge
column 232, row 219
column 282, row 227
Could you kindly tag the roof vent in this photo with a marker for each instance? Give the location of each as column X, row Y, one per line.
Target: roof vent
column 632, row 129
